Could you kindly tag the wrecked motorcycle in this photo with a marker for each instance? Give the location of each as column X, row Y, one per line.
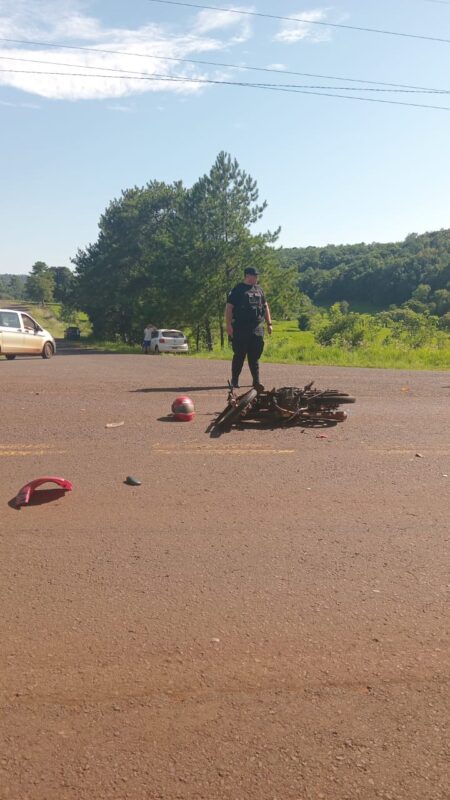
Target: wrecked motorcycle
column 286, row 406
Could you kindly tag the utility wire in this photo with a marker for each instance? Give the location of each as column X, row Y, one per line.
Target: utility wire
column 217, row 64
column 304, row 20
column 267, row 87
column 125, row 73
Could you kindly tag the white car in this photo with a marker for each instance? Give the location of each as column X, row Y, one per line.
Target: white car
column 21, row 335
column 168, row 341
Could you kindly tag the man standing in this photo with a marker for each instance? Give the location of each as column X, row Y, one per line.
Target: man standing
column 245, row 313
column 147, row 338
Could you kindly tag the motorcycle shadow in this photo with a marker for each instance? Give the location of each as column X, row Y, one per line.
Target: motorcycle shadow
column 268, row 424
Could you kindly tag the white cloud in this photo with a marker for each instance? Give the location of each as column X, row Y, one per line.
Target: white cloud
column 279, row 67
column 64, row 22
column 208, row 21
column 291, row 32
column 214, row 20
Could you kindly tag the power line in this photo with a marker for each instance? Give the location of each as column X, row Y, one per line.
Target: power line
column 264, row 86
column 303, row 20
column 129, row 73
column 227, row 65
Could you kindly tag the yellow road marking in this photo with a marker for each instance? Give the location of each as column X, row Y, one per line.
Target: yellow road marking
column 8, row 453
column 38, row 446
column 424, row 451
column 231, row 451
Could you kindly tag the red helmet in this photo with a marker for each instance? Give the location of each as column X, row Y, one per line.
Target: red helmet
column 183, row 409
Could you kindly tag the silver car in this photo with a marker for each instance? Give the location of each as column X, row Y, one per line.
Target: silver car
column 21, row 335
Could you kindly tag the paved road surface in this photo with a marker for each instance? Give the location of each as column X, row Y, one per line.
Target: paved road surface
column 265, row 618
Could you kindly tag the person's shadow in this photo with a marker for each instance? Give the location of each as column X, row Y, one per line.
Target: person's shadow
column 176, row 389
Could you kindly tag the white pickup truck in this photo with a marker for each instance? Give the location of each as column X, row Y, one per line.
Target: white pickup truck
column 21, row 335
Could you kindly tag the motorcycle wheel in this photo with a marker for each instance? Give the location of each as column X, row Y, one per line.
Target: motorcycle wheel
column 233, row 413
column 335, row 399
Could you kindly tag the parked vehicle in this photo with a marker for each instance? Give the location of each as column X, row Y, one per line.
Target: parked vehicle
column 21, row 335
column 168, row 341
column 72, row 333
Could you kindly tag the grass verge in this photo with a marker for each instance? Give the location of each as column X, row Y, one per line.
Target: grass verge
column 289, row 345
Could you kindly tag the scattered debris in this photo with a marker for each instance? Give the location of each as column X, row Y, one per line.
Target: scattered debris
column 215, row 641
column 114, row 424
column 23, row 496
column 131, row 481
column 322, row 436
column 419, row 455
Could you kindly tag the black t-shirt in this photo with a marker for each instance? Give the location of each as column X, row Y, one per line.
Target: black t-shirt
column 249, row 307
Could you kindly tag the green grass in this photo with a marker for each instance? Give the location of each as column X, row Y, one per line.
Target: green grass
column 111, row 347
column 287, row 345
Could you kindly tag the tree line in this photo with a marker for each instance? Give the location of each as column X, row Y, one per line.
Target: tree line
column 168, row 254
column 376, row 276
column 43, row 285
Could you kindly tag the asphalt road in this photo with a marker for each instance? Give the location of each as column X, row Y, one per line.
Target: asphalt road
column 265, row 618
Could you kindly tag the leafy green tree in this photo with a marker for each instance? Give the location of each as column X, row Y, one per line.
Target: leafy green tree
column 346, row 329
column 64, row 283
column 444, row 322
column 441, row 299
column 16, row 287
column 281, row 288
column 128, row 276
column 306, row 313
column 422, row 293
column 221, row 207
column 408, row 327
column 4, row 285
column 40, row 283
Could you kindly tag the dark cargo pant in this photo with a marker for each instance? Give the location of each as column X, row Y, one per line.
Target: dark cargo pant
column 248, row 345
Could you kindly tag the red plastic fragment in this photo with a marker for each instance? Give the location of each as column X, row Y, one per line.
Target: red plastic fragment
column 24, row 495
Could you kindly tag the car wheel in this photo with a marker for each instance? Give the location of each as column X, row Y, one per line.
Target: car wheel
column 47, row 350
column 10, row 358
column 157, row 350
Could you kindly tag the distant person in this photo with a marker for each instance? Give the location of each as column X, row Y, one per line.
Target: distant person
column 147, row 338
column 245, row 313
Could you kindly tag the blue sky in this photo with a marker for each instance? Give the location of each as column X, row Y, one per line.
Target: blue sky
column 332, row 170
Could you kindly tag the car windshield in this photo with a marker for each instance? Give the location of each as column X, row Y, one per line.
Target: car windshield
column 173, row 334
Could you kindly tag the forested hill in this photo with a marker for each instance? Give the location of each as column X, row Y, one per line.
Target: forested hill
column 376, row 274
